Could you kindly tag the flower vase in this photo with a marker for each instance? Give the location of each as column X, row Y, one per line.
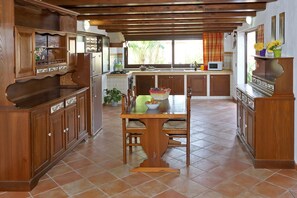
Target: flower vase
column 263, row 52
column 277, row 53
column 269, row 54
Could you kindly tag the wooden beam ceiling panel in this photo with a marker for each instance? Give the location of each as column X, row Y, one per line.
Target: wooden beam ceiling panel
column 168, row 16
column 87, row 3
column 171, row 9
column 153, row 18
column 167, row 21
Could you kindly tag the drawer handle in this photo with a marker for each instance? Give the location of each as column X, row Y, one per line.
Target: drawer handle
column 49, row 134
column 78, row 116
column 64, row 130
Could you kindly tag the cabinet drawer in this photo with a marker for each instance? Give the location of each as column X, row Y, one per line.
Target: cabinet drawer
column 57, row 107
column 70, row 101
column 244, row 98
column 238, row 94
column 251, row 103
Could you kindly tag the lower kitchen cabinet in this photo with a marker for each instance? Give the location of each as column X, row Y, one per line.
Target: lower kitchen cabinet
column 174, row 82
column 219, row 85
column 81, row 115
column 198, row 84
column 48, row 132
column 41, row 139
column 144, row 83
column 57, row 133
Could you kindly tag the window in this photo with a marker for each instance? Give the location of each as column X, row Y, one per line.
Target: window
column 188, row 51
column 149, row 52
column 164, row 53
column 250, row 52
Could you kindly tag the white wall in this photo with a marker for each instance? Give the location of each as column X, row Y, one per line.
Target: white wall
column 289, row 47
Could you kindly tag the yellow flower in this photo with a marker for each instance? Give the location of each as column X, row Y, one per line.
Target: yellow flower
column 259, row 46
column 273, row 45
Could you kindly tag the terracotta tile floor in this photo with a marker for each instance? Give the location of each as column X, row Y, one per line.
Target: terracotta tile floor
column 220, row 167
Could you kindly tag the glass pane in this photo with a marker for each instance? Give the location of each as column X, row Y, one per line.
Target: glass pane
column 150, row 52
column 188, row 51
column 251, row 64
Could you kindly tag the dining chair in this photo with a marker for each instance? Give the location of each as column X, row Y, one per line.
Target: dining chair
column 131, row 129
column 180, row 130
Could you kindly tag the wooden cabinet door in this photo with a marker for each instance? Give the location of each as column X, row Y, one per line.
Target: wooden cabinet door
column 177, row 84
column 57, row 131
column 174, row 82
column 24, row 52
column 244, row 122
column 165, row 81
column 81, row 115
column 71, row 49
column 239, row 117
column 70, row 125
column 144, row 83
column 198, row 84
column 220, row 85
column 250, row 131
column 40, row 140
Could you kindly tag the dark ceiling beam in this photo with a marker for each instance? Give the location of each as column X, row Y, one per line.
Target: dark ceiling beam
column 169, row 31
column 171, row 9
column 168, row 21
column 145, row 2
column 162, row 26
column 168, row 16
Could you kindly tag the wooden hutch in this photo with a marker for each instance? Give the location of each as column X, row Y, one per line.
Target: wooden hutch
column 265, row 113
column 42, row 111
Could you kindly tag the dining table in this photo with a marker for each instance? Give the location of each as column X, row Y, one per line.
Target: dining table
column 154, row 141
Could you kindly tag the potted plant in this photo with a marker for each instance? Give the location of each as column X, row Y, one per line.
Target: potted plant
column 112, row 96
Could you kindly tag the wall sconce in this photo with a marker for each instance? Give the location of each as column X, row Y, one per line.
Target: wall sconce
column 249, row 20
column 86, row 24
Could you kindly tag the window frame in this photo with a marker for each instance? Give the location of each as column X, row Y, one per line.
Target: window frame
column 173, row 65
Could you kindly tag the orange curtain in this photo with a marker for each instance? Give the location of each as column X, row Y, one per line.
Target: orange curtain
column 213, row 47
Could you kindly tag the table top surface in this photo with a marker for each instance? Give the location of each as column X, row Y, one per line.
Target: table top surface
column 173, row 107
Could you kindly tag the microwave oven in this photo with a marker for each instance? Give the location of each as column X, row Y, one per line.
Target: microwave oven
column 215, row 65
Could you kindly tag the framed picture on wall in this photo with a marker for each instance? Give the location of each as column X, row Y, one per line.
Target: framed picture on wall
column 282, row 27
column 273, row 27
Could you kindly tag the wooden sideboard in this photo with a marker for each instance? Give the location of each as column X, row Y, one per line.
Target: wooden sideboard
column 265, row 113
column 43, row 115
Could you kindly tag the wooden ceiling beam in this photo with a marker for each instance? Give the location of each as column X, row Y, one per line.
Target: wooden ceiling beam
column 168, row 16
column 145, row 2
column 162, row 26
column 177, row 30
column 171, row 9
column 168, row 21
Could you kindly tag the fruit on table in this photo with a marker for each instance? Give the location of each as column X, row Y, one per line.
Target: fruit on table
column 152, row 101
column 159, row 90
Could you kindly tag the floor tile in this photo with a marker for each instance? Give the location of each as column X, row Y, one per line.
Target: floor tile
column 77, row 186
column 152, row 188
column 114, row 187
column 267, row 189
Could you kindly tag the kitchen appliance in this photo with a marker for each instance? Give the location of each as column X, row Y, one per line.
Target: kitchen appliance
column 89, row 73
column 215, row 65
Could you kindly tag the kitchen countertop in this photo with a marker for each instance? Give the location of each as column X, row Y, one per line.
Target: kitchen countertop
column 180, row 72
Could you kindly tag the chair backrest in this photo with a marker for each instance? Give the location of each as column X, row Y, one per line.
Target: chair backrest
column 131, row 95
column 124, row 103
column 189, row 95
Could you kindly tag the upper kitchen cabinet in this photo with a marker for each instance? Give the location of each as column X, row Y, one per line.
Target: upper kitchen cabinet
column 43, row 46
column 41, row 15
column 24, row 52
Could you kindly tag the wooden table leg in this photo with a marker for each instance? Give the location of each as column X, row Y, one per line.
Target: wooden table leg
column 154, row 143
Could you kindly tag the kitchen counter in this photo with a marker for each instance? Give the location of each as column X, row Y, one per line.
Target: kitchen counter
column 179, row 72
column 49, row 97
